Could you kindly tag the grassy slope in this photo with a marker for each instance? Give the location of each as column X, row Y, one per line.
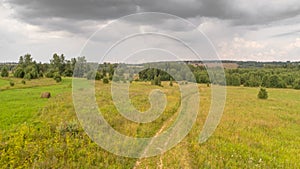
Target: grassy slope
column 3, row 82
column 253, row 133
column 19, row 104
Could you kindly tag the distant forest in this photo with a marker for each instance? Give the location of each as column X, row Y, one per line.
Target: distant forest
column 246, row 73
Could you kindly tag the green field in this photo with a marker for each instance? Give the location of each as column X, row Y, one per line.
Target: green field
column 20, row 104
column 3, row 83
column 42, row 133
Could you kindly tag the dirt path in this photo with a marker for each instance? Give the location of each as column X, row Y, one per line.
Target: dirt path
column 160, row 164
column 138, row 162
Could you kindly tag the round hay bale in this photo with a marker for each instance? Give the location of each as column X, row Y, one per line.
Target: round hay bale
column 46, row 95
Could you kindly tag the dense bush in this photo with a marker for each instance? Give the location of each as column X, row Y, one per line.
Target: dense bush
column 12, row 84
column 105, row 80
column 157, row 81
column 57, row 77
column 28, row 76
column 262, row 94
column 98, row 76
column 19, row 73
column 171, row 83
column 23, row 82
column 50, row 74
column 27, row 68
column 92, row 75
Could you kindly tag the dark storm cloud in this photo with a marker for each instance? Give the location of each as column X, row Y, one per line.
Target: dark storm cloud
column 69, row 14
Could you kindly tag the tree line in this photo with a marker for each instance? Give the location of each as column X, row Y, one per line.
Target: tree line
column 279, row 76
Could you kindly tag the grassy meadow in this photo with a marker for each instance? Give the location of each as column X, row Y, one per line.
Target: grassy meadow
column 45, row 133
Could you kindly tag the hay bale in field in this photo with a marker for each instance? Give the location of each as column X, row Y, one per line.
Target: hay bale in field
column 46, row 95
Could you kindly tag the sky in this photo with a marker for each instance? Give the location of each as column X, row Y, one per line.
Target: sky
column 257, row 30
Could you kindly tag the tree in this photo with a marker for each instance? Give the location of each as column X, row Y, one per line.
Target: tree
column 4, row 71
column 233, row 80
column 81, row 67
column 98, row 76
column 262, row 94
column 68, row 71
column 58, row 63
column 252, row 81
column 276, row 82
column 157, row 81
column 21, row 60
column 296, row 84
column 171, row 82
column 27, row 60
column 19, row 73
column 92, row 75
column 27, row 68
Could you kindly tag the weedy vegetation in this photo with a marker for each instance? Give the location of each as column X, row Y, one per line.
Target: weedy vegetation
column 45, row 133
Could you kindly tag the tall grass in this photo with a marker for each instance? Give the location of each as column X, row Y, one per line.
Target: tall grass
column 253, row 133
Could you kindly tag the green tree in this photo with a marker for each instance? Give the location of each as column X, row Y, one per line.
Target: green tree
column 233, row 80
column 27, row 68
column 68, row 71
column 276, row 82
column 296, row 84
column 27, row 60
column 81, row 67
column 4, row 71
column 252, row 81
column 58, row 63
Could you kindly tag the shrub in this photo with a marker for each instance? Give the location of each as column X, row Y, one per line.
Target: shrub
column 41, row 74
column 157, row 81
column 91, row 75
column 23, row 82
column 50, row 74
column 105, row 80
column 19, row 73
column 71, row 127
column 12, row 84
column 171, row 82
column 98, row 76
column 57, row 78
column 263, row 94
column 28, row 76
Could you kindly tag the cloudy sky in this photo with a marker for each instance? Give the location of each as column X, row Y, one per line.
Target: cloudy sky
column 261, row 30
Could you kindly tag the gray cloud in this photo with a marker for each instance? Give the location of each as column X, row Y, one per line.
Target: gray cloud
column 65, row 25
column 69, row 15
column 292, row 33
